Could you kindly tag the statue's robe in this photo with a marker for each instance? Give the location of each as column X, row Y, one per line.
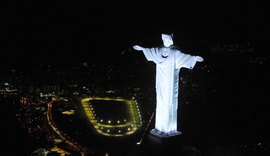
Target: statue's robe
column 167, row 82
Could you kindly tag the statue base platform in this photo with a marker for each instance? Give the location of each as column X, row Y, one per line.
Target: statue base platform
column 157, row 137
column 160, row 144
column 160, row 134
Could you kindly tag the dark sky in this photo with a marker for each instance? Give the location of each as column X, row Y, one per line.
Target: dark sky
column 50, row 30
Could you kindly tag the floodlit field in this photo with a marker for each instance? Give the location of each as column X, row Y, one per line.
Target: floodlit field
column 123, row 119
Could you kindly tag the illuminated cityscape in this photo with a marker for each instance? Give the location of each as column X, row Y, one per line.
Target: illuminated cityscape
column 72, row 85
column 64, row 116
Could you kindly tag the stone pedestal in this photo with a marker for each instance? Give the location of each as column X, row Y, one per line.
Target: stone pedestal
column 160, row 143
column 163, row 135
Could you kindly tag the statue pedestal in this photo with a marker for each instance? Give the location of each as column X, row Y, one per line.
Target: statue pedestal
column 160, row 143
column 163, row 135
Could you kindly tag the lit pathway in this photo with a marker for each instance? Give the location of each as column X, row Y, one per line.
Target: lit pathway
column 63, row 136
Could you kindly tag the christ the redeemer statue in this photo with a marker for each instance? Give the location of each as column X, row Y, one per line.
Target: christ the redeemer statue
column 168, row 62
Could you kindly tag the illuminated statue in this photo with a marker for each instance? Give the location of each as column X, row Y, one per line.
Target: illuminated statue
column 168, row 62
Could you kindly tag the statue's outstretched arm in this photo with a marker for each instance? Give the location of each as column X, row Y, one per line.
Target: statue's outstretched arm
column 199, row 58
column 137, row 47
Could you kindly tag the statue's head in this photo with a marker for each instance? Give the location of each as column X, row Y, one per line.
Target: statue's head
column 167, row 39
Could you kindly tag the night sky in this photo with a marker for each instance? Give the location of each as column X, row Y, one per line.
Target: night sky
column 48, row 31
